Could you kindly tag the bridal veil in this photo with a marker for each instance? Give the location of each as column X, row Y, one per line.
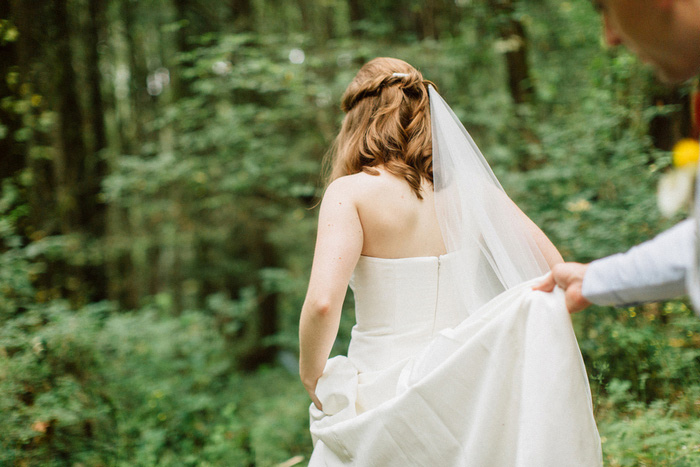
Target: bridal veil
column 477, row 219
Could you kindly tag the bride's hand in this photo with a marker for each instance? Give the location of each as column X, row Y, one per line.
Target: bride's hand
column 568, row 276
column 311, row 389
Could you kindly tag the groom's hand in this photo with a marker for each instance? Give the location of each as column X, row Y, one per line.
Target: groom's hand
column 568, row 276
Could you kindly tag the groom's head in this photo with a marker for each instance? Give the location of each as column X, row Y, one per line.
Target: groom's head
column 664, row 33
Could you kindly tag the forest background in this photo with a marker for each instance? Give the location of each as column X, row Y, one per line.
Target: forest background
column 160, row 163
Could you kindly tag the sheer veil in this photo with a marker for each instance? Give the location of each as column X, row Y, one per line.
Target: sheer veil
column 478, row 220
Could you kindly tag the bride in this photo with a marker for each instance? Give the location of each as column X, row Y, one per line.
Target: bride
column 454, row 360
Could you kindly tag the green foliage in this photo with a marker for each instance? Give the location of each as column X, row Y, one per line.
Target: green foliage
column 653, row 348
column 210, row 228
column 144, row 388
column 661, row 434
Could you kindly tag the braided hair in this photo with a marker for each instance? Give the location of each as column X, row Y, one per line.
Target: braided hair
column 387, row 123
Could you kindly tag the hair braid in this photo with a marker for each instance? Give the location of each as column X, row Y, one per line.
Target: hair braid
column 387, row 123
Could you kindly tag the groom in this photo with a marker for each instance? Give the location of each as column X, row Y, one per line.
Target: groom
column 666, row 34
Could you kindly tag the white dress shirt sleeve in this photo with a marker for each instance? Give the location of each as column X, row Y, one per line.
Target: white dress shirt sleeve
column 654, row 270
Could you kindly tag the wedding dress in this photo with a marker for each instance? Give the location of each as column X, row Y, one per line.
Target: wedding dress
column 454, row 360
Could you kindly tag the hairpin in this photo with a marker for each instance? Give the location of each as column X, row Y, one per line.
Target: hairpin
column 400, row 75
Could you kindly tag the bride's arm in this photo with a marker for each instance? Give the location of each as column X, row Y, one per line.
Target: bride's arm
column 503, row 202
column 549, row 251
column 338, row 247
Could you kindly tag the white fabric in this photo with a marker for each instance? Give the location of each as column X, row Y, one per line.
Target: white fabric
column 429, row 383
column 654, row 270
column 693, row 279
column 476, row 217
column 454, row 360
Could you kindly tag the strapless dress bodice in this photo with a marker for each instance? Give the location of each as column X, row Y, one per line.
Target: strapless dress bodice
column 400, row 304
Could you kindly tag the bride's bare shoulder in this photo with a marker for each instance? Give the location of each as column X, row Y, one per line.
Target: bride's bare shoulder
column 361, row 186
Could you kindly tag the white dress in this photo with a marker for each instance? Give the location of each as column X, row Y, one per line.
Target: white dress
column 427, row 383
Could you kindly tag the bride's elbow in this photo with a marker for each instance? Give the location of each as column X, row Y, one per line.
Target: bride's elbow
column 317, row 307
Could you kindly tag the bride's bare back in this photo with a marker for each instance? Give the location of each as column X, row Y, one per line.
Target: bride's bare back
column 372, row 215
column 395, row 223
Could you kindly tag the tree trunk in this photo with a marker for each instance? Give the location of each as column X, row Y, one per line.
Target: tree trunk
column 77, row 177
column 514, row 39
column 181, row 85
column 130, row 119
column 264, row 324
column 305, row 14
column 69, row 165
column 426, row 21
column 130, row 111
column 329, row 21
column 514, row 43
column 519, row 80
column 357, row 14
column 666, row 130
column 96, row 110
column 32, row 25
column 12, row 157
column 96, row 166
column 437, row 18
column 242, row 14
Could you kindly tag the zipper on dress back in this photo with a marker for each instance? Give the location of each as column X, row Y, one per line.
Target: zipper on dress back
column 437, row 296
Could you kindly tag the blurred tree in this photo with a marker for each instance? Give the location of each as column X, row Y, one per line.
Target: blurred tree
column 96, row 157
column 514, row 43
column 436, row 19
column 10, row 121
column 33, row 140
column 674, row 122
column 131, row 117
column 70, row 162
column 242, row 15
column 77, row 170
column 186, row 30
column 357, row 14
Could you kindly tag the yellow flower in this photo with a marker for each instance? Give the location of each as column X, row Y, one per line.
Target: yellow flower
column 686, row 152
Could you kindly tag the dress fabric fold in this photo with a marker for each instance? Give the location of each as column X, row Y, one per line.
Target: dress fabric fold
column 441, row 385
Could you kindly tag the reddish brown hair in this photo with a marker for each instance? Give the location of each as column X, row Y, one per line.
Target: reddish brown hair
column 387, row 123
